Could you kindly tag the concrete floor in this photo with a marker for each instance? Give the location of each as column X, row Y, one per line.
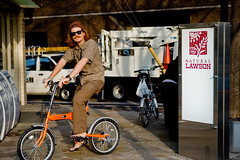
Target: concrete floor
column 136, row 142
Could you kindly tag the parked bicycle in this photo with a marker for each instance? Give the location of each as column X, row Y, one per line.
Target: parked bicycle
column 148, row 102
column 38, row 142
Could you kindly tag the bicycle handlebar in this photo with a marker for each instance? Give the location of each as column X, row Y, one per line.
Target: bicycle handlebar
column 147, row 69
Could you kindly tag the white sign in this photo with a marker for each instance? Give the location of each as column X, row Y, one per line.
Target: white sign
column 198, row 75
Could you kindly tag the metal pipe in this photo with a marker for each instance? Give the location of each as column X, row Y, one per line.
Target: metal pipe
column 156, row 58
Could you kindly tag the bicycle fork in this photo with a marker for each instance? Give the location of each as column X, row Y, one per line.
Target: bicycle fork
column 43, row 133
column 142, row 102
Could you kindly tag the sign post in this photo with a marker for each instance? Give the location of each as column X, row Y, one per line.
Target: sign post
column 204, row 90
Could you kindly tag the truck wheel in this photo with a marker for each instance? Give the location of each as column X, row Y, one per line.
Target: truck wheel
column 119, row 92
column 66, row 93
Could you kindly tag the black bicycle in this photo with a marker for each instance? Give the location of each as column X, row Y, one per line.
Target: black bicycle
column 148, row 102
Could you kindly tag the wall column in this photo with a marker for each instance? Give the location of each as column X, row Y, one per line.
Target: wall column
column 21, row 59
column 8, row 43
column 4, row 45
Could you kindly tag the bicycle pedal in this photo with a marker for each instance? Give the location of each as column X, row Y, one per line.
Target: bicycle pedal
column 80, row 139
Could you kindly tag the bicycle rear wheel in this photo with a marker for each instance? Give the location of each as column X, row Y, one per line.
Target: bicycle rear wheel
column 27, row 148
column 155, row 108
column 104, row 125
column 144, row 117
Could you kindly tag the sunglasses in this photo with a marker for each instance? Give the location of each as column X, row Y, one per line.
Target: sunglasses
column 74, row 33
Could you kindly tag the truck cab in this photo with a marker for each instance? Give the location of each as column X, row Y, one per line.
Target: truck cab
column 39, row 67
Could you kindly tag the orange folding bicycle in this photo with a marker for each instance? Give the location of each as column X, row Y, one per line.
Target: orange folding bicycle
column 38, row 142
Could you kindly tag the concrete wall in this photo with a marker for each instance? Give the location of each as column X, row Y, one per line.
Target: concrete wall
column 53, row 18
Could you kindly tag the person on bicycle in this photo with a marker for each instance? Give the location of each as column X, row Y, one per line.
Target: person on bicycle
column 89, row 67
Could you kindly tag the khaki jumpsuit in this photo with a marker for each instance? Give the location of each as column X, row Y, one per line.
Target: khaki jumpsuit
column 92, row 80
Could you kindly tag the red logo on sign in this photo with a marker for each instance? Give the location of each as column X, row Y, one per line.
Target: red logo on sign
column 198, row 43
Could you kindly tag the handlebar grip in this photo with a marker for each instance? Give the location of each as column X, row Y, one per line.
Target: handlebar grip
column 137, row 71
column 156, row 67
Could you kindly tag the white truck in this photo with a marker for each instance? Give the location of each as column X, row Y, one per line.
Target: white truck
column 125, row 51
column 39, row 66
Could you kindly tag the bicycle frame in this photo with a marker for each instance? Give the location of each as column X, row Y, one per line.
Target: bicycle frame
column 56, row 117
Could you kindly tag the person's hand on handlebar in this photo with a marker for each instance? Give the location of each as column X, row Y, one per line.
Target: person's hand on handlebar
column 46, row 81
column 63, row 81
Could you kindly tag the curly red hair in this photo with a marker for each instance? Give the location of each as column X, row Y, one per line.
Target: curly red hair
column 70, row 41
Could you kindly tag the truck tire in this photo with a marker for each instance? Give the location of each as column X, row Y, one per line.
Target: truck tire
column 119, row 92
column 66, row 93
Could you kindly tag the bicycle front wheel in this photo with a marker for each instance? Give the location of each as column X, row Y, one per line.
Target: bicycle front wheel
column 27, row 148
column 144, row 117
column 104, row 126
